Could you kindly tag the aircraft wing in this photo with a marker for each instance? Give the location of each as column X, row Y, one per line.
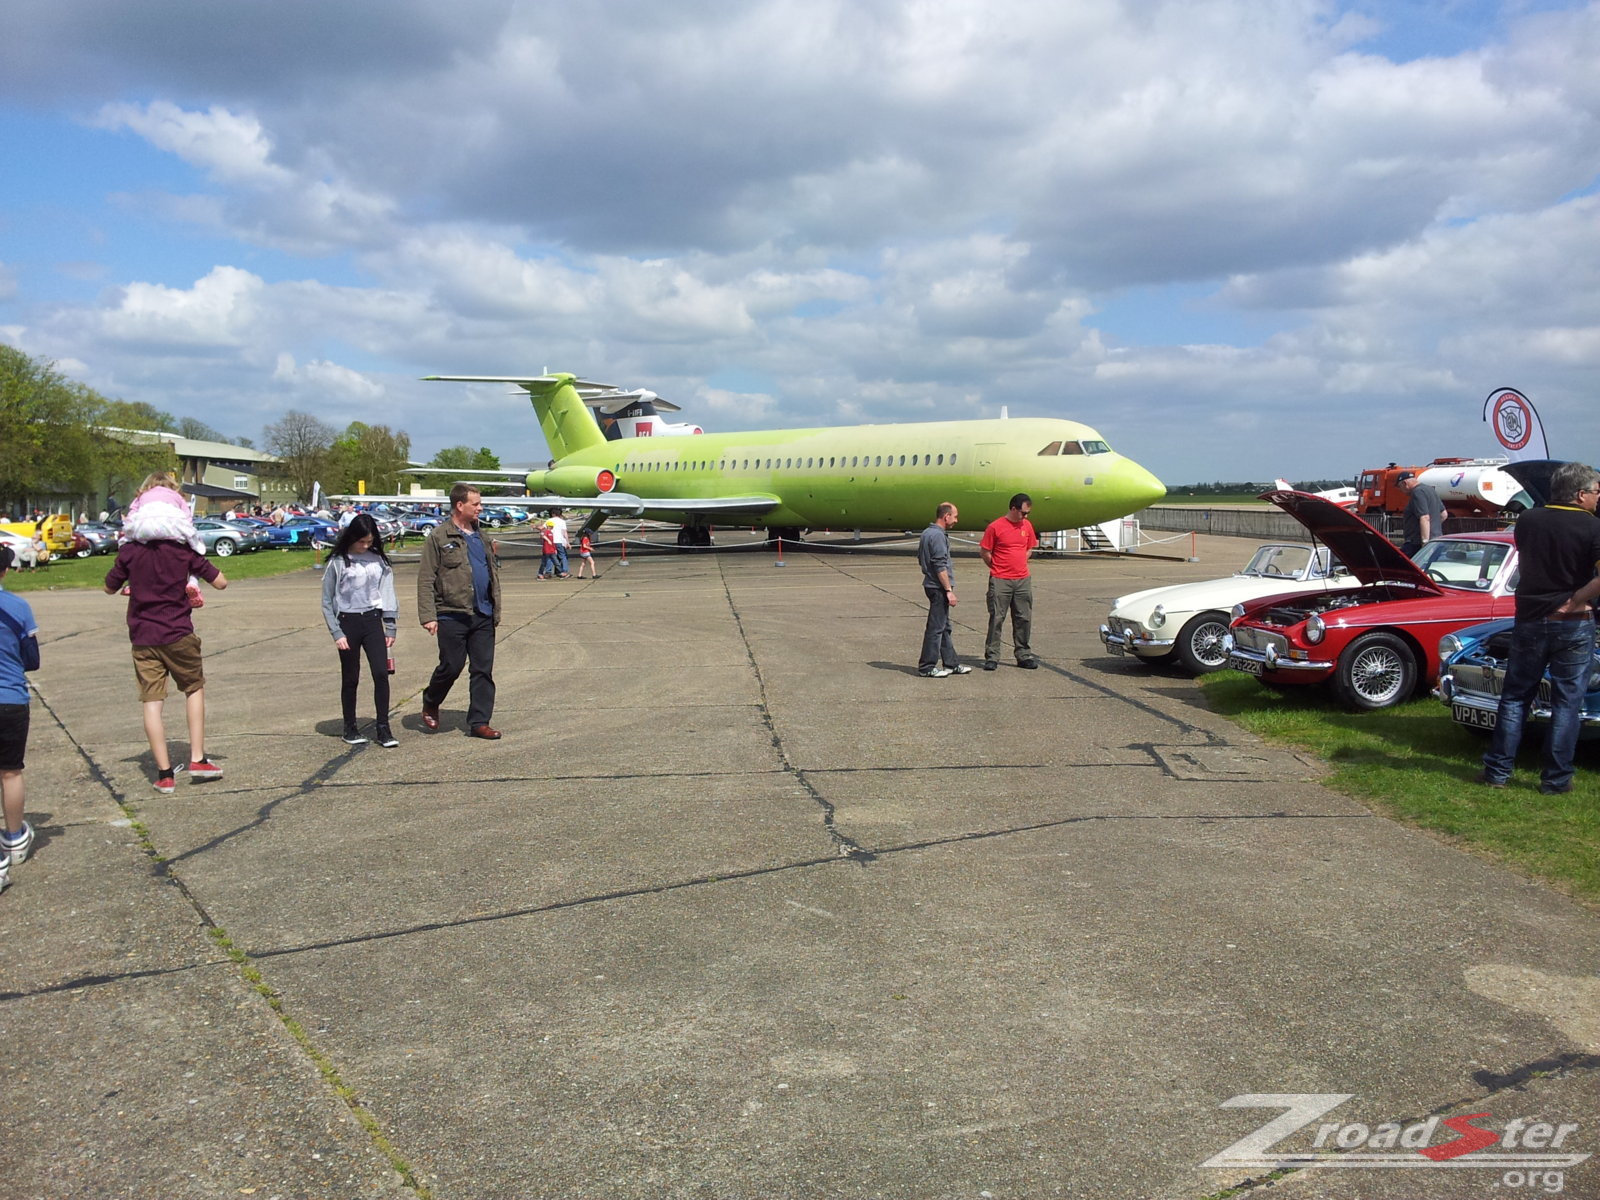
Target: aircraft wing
column 612, row 502
column 489, row 474
column 753, row 505
column 521, row 381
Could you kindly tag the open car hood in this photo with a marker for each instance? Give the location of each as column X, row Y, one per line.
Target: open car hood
column 1534, row 476
column 1371, row 557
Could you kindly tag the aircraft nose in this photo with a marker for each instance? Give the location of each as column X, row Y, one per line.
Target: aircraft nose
column 1144, row 489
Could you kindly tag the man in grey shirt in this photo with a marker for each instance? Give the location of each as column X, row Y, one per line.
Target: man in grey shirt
column 1423, row 518
column 933, row 555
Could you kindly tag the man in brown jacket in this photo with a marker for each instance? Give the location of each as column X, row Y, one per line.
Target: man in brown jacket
column 458, row 601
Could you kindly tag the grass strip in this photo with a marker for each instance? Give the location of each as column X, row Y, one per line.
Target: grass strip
column 91, row 572
column 1413, row 763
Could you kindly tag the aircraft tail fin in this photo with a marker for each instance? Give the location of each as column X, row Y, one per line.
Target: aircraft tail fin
column 563, row 417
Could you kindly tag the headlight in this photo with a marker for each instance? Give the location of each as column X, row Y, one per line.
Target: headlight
column 1315, row 629
column 1449, row 647
column 1158, row 617
column 1238, row 611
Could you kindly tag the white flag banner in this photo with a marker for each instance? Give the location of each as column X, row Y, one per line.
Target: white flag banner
column 316, row 495
column 1516, row 425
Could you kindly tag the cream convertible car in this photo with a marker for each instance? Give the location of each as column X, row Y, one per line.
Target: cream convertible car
column 1190, row 620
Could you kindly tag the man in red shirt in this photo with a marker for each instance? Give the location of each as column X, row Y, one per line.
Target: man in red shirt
column 165, row 644
column 1005, row 548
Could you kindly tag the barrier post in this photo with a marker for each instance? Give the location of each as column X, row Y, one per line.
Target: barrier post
column 1194, row 555
column 779, row 561
column 623, row 561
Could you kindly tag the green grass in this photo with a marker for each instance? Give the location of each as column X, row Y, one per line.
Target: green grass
column 91, row 572
column 1413, row 763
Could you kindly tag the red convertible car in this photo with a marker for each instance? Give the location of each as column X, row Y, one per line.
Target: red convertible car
column 1375, row 644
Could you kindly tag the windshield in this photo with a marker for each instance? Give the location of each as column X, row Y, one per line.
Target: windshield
column 1462, row 564
column 1274, row 561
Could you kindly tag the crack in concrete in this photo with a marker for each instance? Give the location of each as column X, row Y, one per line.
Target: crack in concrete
column 847, row 847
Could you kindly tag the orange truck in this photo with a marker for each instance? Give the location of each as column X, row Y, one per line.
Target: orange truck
column 1467, row 487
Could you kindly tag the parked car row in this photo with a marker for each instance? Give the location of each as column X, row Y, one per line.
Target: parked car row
column 1366, row 621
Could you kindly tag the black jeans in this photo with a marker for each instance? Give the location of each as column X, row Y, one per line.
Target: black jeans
column 463, row 638
column 364, row 631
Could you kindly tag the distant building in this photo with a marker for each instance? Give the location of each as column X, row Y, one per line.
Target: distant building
column 218, row 475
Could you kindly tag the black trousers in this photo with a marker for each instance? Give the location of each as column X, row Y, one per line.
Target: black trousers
column 465, row 638
column 364, row 632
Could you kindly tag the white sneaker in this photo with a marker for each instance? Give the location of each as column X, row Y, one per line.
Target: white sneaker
column 15, row 851
column 936, row 673
column 961, row 669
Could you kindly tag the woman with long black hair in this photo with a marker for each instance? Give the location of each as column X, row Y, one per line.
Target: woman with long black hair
column 359, row 606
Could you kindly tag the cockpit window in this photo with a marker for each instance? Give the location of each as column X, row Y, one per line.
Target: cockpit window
column 1052, row 448
column 1071, row 448
column 1462, row 564
column 1096, row 448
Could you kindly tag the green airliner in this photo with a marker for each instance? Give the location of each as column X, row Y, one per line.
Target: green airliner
column 882, row 477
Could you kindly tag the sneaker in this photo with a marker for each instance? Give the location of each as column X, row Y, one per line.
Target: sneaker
column 352, row 736
column 936, row 673
column 989, row 664
column 14, row 851
column 961, row 669
column 166, row 784
column 204, row 768
column 1555, row 789
column 1029, row 664
column 386, row 738
column 1488, row 780
column 5, row 873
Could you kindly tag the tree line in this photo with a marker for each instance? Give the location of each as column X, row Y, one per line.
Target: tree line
column 55, row 440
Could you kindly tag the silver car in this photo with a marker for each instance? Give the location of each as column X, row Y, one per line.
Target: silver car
column 223, row 538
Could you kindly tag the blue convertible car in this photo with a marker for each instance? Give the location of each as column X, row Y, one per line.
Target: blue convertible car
column 1473, row 669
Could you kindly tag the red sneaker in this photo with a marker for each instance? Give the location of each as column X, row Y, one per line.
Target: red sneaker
column 204, row 769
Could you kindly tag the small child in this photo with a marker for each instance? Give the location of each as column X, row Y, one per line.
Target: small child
column 547, row 552
column 160, row 513
column 585, row 554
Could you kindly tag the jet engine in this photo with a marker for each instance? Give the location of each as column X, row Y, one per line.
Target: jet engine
column 572, row 481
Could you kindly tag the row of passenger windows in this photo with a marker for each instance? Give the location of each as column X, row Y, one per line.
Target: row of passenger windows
column 837, row 462
column 785, row 464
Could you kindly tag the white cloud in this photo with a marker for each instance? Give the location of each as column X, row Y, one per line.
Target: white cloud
column 881, row 211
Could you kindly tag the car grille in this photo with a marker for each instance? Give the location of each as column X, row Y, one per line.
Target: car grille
column 1248, row 637
column 1488, row 681
column 1122, row 627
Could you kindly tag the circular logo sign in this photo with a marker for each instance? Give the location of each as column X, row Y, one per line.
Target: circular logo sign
column 1512, row 418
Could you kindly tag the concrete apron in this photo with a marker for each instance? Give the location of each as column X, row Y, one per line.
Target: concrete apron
column 742, row 907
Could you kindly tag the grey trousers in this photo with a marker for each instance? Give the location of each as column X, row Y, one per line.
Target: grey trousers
column 1014, row 596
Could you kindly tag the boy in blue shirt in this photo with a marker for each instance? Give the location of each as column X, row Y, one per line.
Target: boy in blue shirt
column 17, row 631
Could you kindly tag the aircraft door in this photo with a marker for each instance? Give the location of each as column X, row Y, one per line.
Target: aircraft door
column 985, row 459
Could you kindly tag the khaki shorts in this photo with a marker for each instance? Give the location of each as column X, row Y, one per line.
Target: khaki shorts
column 179, row 659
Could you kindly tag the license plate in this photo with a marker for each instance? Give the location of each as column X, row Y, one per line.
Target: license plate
column 1116, row 647
column 1465, row 714
column 1248, row 665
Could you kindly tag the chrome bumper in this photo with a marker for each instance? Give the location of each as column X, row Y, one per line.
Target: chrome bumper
column 1132, row 643
column 1271, row 660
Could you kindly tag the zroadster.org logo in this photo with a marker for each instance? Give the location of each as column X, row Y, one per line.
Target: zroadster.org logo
column 1528, row 1146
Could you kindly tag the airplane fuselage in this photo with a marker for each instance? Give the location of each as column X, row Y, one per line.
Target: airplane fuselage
column 886, row 476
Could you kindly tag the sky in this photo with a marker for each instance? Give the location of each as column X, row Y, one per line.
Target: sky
column 1240, row 238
